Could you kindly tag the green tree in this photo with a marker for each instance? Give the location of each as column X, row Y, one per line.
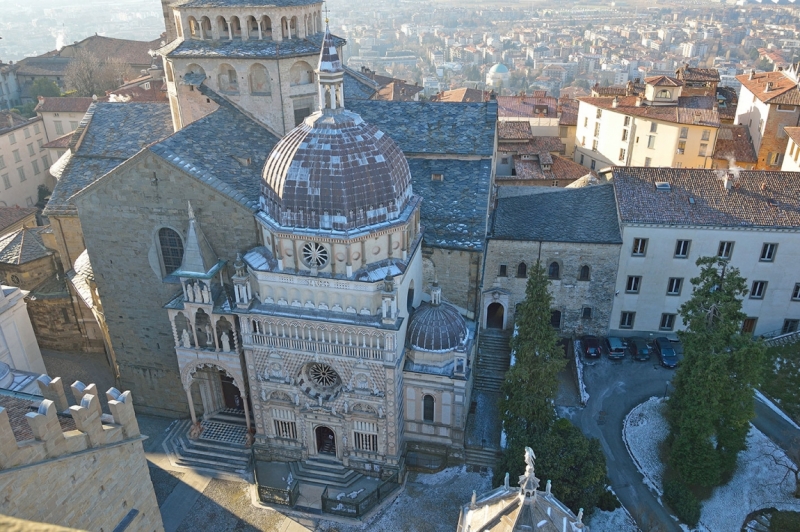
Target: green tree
column 531, row 383
column 710, row 411
column 44, row 87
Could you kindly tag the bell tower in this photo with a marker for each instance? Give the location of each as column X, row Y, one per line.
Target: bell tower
column 169, row 20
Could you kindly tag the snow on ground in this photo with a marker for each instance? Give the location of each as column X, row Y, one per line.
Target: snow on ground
column 764, row 399
column 758, row 482
column 617, row 521
column 437, row 479
column 579, row 366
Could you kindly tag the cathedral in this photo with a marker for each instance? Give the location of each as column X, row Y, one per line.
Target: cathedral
column 265, row 246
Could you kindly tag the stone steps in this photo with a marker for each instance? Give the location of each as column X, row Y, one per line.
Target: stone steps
column 321, row 472
column 204, row 455
column 481, row 457
column 494, row 357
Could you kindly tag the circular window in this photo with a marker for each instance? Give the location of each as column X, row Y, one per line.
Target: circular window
column 315, row 255
column 323, row 375
column 15, row 279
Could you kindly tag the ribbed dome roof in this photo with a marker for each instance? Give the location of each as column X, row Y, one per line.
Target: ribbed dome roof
column 436, row 328
column 335, row 171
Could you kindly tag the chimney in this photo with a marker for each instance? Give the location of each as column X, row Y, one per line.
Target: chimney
column 768, row 86
column 727, row 182
column 638, row 101
column 615, row 103
column 752, row 73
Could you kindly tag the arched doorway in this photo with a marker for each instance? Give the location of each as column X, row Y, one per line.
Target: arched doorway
column 230, row 393
column 326, row 440
column 494, row 316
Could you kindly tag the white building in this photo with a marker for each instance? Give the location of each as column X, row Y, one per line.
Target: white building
column 18, row 347
column 23, row 159
column 671, row 217
column 497, row 77
column 791, row 163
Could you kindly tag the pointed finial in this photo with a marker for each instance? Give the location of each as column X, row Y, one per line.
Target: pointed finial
column 505, row 481
column 580, row 516
column 326, row 13
column 191, row 211
column 474, row 501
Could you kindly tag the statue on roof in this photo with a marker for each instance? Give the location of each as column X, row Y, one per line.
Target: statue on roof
column 529, row 459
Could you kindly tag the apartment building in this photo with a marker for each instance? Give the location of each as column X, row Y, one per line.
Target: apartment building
column 768, row 103
column 671, row 217
column 791, row 163
column 24, row 160
column 60, row 117
column 659, row 128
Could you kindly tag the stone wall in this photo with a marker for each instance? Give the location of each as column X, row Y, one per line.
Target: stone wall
column 127, row 268
column 30, row 274
column 458, row 272
column 92, row 478
column 570, row 295
column 55, row 324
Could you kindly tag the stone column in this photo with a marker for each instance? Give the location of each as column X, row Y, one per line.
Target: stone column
column 191, row 403
column 246, row 408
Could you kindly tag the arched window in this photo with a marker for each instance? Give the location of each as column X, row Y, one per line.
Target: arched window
column 427, row 408
column 553, row 270
column 664, row 94
column 171, row 247
column 301, row 73
column 522, row 270
column 227, row 79
column 584, row 275
column 259, row 80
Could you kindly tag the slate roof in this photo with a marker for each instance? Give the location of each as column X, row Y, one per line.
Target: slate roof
column 11, row 215
column 61, row 142
column 114, row 132
column 82, row 276
column 453, row 210
column 580, row 215
column 216, row 150
column 734, row 141
column 693, row 110
column 252, row 48
column 533, row 146
column 784, row 90
column 358, row 86
column 438, row 127
column 23, row 246
column 756, row 199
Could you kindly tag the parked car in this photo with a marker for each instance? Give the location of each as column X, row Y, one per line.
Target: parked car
column 591, row 346
column 666, row 353
column 639, row 348
column 615, row 348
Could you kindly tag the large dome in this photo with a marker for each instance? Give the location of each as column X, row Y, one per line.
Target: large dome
column 436, row 327
column 335, row 171
column 499, row 68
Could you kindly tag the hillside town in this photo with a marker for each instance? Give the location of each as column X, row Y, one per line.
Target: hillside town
column 292, row 265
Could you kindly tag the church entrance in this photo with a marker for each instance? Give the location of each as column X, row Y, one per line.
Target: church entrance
column 494, row 316
column 326, row 441
column 230, row 393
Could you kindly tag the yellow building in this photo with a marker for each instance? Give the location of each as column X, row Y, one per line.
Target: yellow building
column 660, row 128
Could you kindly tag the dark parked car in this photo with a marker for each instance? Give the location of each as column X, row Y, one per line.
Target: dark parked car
column 639, row 348
column 591, row 346
column 666, row 353
column 615, row 348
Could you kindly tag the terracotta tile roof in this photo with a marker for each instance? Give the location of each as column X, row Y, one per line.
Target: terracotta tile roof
column 698, row 197
column 794, row 133
column 10, row 120
column 461, row 95
column 663, row 81
column 397, row 91
column 782, row 91
column 568, row 109
column 526, row 106
column 687, row 73
column 23, row 246
column 534, row 145
column 516, row 130
column 690, row 109
column 60, row 142
column 735, row 142
column 11, row 215
column 63, row 104
column 17, row 408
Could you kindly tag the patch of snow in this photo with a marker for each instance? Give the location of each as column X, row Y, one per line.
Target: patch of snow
column 764, row 399
column 617, row 521
column 503, row 442
column 757, row 483
column 579, row 365
column 442, row 477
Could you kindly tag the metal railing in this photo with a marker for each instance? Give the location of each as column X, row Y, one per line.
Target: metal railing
column 313, row 346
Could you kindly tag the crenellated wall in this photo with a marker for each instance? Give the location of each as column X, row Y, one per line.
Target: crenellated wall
column 92, row 478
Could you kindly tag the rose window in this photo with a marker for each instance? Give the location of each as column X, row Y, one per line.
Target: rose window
column 315, row 255
column 323, row 375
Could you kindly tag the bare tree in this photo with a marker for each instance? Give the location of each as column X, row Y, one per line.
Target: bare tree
column 788, row 460
column 88, row 75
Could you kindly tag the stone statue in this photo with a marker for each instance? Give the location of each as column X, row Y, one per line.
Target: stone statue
column 333, row 410
column 226, row 343
column 380, row 411
column 189, row 293
column 187, row 343
column 263, row 395
column 209, row 333
column 296, row 400
column 319, row 400
column 198, row 297
column 344, row 441
column 346, row 407
column 529, row 459
column 307, row 405
column 206, row 294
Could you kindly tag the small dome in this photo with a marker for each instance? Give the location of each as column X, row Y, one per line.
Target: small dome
column 436, row 328
column 499, row 68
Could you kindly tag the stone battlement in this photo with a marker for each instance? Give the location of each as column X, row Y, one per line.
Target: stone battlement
column 94, row 429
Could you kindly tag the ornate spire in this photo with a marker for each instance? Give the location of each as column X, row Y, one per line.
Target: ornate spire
column 330, row 74
column 198, row 257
